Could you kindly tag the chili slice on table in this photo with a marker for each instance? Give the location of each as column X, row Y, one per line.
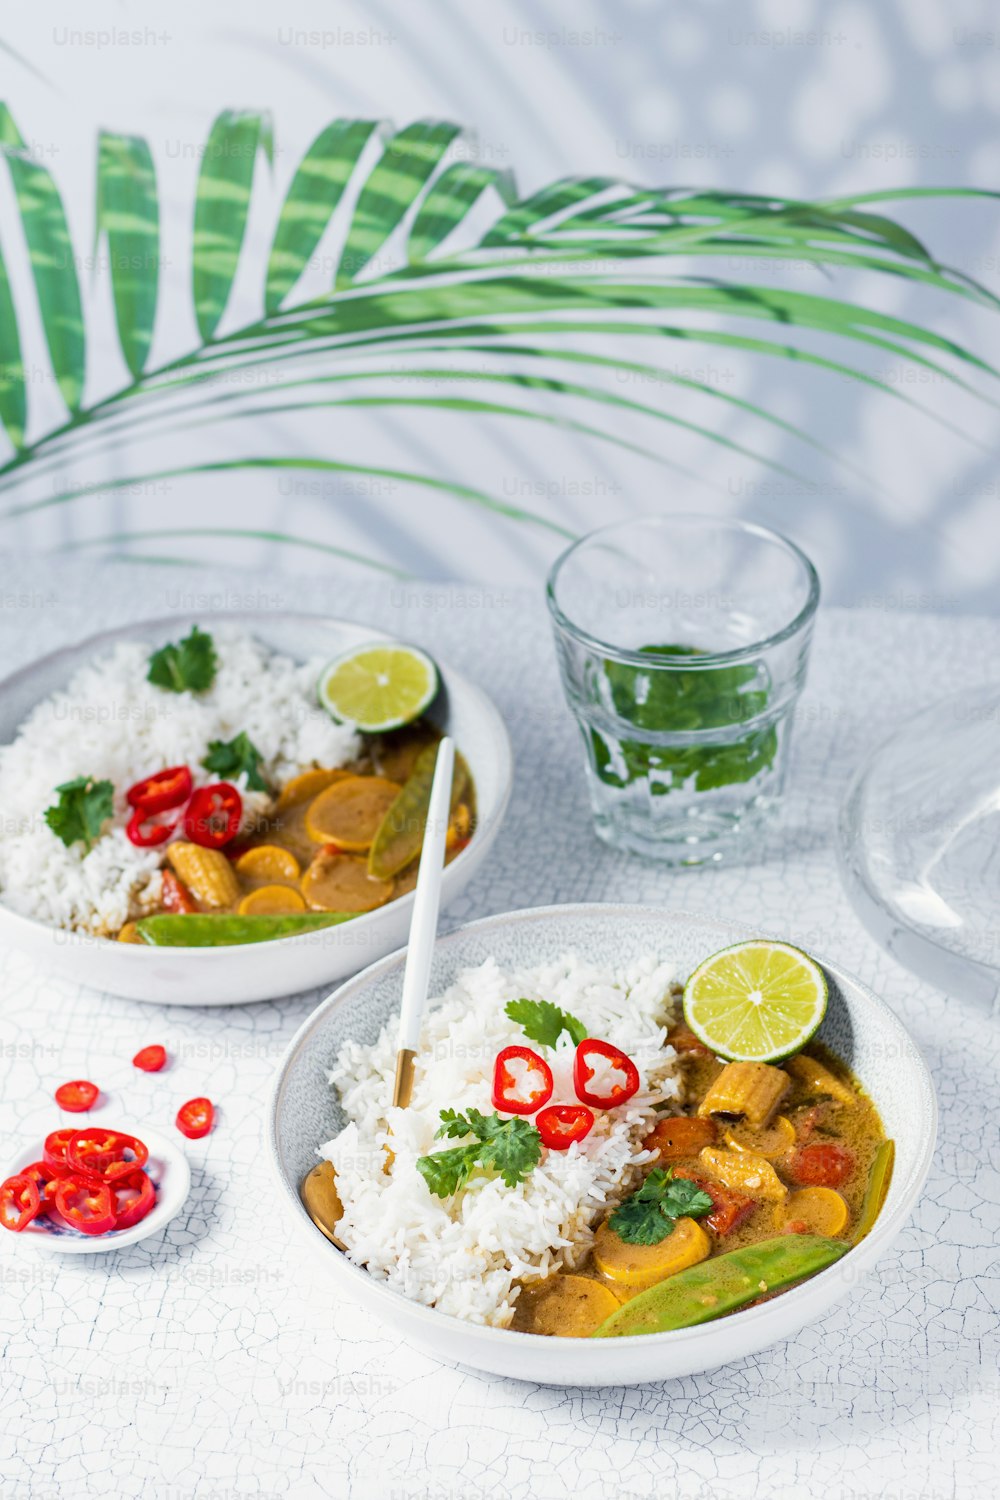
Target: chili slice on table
column 133, row 1196
column 87, row 1206
column 584, row 1070
column 560, row 1125
column 20, row 1202
column 166, row 789
column 213, row 815
column 54, row 1150
column 77, row 1096
column 104, row 1155
column 195, row 1118
column 509, row 1089
column 150, row 1059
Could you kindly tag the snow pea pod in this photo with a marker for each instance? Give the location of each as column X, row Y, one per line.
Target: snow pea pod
column 203, row 930
column 720, row 1286
column 878, row 1186
column 401, row 832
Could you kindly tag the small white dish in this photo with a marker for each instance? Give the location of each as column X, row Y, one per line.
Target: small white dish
column 858, row 1026
column 169, row 1172
column 259, row 971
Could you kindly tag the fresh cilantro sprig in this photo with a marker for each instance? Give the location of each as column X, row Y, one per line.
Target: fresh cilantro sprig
column 544, row 1022
column 229, row 759
column 510, row 1147
column 83, row 808
column 649, row 1215
column 188, row 666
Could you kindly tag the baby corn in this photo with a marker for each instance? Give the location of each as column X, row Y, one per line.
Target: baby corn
column 207, row 874
column 745, row 1172
column 814, row 1076
column 748, row 1089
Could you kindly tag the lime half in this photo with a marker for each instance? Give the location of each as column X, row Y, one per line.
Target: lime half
column 756, row 1002
column 378, row 687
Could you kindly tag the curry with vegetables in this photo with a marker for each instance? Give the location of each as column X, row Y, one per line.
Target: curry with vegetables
column 772, row 1172
column 336, row 842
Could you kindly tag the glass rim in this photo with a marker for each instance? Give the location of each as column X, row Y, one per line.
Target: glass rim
column 709, row 658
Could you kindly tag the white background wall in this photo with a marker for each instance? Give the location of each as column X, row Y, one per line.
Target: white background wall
column 777, row 95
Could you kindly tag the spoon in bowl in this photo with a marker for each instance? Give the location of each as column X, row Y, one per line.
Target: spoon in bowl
column 319, row 1188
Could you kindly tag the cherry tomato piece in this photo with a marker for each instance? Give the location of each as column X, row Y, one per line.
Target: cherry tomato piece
column 174, row 894
column 826, row 1165
column 54, row 1150
column 150, row 1059
column 134, row 1196
column 20, row 1202
column 77, row 1096
column 87, row 1206
column 103, row 1155
column 196, row 1118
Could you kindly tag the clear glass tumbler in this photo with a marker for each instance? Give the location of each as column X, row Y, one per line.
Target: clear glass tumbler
column 682, row 644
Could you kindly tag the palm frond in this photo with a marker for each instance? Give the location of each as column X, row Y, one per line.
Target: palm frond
column 581, row 260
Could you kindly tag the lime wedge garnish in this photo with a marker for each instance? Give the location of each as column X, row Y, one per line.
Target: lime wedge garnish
column 378, row 687
column 756, row 1002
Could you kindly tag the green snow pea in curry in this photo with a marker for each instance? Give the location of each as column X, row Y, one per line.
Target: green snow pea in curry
column 334, row 844
column 770, row 1174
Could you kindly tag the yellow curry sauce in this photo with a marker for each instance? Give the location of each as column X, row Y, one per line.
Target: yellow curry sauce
column 795, row 1148
column 313, row 851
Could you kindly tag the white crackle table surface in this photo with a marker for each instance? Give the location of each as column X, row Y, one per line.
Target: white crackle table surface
column 215, row 1361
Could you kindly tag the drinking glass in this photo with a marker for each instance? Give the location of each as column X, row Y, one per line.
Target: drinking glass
column 683, row 643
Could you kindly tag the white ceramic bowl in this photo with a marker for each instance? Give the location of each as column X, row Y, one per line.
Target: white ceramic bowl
column 861, row 1029
column 259, row 971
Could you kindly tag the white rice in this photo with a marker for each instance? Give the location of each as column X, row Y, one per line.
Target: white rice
column 463, row 1254
column 112, row 724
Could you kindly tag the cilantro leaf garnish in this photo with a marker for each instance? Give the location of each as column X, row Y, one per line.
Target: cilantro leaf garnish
column 509, row 1147
column 83, row 807
column 230, row 758
column 649, row 1215
column 544, row 1022
column 188, row 666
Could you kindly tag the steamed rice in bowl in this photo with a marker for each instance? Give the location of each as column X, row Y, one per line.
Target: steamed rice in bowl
column 112, row 723
column 463, row 1255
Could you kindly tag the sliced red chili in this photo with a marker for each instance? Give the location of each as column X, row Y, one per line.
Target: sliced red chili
column 213, row 815
column 613, row 1090
column 20, row 1202
column 166, row 789
column 46, row 1178
column 104, row 1155
column 134, row 1196
column 559, row 1125
column 77, row 1096
column 87, row 1206
column 54, row 1150
column 523, row 1092
column 195, row 1118
column 174, row 894
column 150, row 1059
column 145, row 833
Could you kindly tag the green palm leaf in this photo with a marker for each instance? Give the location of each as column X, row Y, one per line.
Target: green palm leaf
column 526, row 289
column 222, row 202
column 53, row 264
column 128, row 215
column 410, row 157
column 13, row 397
column 316, row 190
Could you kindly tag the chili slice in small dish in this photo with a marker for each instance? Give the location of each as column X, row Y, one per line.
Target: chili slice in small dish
column 87, row 1206
column 77, row 1096
column 105, row 1155
column 134, row 1196
column 196, row 1118
column 54, row 1150
column 20, row 1202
